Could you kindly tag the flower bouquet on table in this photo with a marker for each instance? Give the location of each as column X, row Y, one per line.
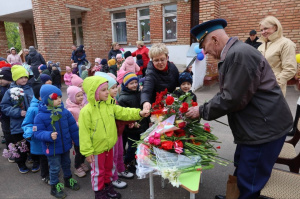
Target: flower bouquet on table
column 175, row 144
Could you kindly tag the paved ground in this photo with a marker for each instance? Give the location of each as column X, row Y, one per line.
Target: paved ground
column 16, row 185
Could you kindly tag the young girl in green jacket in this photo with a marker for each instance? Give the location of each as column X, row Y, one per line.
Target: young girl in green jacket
column 98, row 133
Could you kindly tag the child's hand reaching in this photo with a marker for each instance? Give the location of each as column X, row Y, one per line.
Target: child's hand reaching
column 131, row 125
column 144, row 113
column 54, row 135
column 90, row 159
column 136, row 125
column 23, row 113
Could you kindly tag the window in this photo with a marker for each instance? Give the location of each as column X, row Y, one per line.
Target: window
column 77, row 33
column 170, row 22
column 119, row 32
column 144, row 24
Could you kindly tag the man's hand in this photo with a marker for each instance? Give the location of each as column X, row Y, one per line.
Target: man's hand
column 54, row 135
column 90, row 159
column 146, row 106
column 23, row 113
column 144, row 113
column 193, row 112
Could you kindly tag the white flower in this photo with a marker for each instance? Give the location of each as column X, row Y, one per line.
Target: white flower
column 16, row 98
column 172, row 174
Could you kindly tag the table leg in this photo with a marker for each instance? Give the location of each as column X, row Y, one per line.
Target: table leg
column 151, row 186
column 192, row 196
column 162, row 183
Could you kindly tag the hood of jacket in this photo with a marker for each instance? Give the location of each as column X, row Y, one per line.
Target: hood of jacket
column 129, row 60
column 34, row 102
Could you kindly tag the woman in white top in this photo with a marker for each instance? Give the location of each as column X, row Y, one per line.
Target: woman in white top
column 14, row 57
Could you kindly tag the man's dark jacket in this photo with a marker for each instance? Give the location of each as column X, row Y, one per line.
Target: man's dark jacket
column 253, row 43
column 249, row 95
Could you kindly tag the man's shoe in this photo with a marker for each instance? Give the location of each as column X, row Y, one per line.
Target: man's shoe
column 23, row 169
column 126, row 174
column 35, row 167
column 220, row 197
column 57, row 190
column 119, row 184
column 72, row 184
column 111, row 192
column 80, row 172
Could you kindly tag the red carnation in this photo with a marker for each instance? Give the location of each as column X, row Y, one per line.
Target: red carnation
column 169, row 100
column 180, row 133
column 169, row 134
column 167, row 145
column 179, row 143
column 181, row 125
column 54, row 96
column 194, row 104
column 218, row 147
column 184, row 108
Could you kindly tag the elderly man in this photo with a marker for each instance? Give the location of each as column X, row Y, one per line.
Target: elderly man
column 249, row 95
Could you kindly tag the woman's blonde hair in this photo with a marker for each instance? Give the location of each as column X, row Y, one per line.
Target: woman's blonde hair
column 113, row 45
column 141, row 43
column 270, row 21
column 158, row 49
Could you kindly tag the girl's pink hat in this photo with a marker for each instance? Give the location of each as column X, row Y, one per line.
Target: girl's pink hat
column 119, row 56
column 68, row 68
column 97, row 97
column 75, row 80
column 98, row 60
column 72, row 91
column 120, row 75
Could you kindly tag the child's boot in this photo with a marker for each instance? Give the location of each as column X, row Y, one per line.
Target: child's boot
column 101, row 194
column 57, row 190
column 111, row 192
column 71, row 183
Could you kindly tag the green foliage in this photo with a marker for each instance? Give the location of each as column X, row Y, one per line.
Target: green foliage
column 55, row 116
column 13, row 35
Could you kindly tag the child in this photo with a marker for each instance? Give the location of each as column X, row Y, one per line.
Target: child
column 96, row 68
column 129, row 65
column 104, row 66
column 77, row 81
column 130, row 97
column 39, row 159
column 74, row 68
column 49, row 65
column 84, row 72
column 112, row 66
column 185, row 81
column 140, row 63
column 5, row 81
column 56, row 142
column 119, row 60
column 56, row 76
column 98, row 133
column 44, row 70
column 46, row 79
column 68, row 76
column 16, row 109
column 74, row 104
column 189, row 69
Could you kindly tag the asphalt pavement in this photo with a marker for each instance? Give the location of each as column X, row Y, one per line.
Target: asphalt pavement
column 28, row 186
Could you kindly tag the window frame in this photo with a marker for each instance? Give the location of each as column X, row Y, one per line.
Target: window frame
column 164, row 24
column 116, row 21
column 76, row 26
column 139, row 18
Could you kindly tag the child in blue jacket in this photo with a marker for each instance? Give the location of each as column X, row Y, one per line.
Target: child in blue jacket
column 14, row 104
column 56, row 142
column 39, row 159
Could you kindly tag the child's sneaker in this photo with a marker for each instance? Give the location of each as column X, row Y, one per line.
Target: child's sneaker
column 119, row 184
column 23, row 169
column 80, row 172
column 72, row 184
column 11, row 160
column 29, row 159
column 85, row 167
column 57, row 190
column 46, row 180
column 126, row 174
column 101, row 194
column 111, row 192
column 35, row 167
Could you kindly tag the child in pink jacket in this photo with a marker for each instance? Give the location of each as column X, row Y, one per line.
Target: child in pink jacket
column 74, row 104
column 68, row 76
column 130, row 65
column 77, row 81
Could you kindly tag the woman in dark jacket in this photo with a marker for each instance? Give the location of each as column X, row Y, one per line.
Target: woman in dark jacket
column 35, row 59
column 160, row 74
column 115, row 49
column 80, row 57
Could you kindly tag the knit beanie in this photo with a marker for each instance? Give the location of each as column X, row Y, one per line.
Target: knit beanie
column 42, row 67
column 44, row 78
column 72, row 92
column 120, row 75
column 103, row 62
column 111, row 62
column 139, row 56
column 68, row 68
column 76, row 80
column 5, row 73
column 4, row 64
column 36, row 90
column 119, row 56
column 98, row 60
column 185, row 77
column 113, row 76
column 97, row 97
column 31, row 49
column 47, row 90
column 18, row 71
column 127, row 54
column 111, row 80
column 129, row 77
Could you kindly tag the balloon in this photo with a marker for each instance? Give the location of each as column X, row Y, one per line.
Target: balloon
column 298, row 58
column 200, row 56
column 197, row 49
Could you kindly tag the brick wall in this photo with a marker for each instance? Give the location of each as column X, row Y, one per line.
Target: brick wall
column 26, row 35
column 3, row 40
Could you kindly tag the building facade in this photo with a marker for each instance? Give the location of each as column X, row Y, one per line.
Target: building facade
column 52, row 26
